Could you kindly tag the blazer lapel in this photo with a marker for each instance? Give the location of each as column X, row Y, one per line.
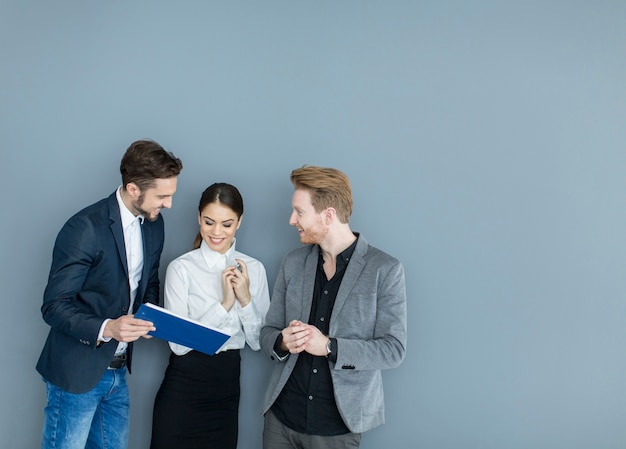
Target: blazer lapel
column 308, row 283
column 147, row 263
column 352, row 274
column 116, row 229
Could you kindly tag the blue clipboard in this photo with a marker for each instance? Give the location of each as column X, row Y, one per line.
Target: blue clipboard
column 181, row 330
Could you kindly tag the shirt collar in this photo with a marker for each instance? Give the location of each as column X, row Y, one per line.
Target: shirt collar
column 127, row 216
column 343, row 257
column 217, row 260
column 347, row 253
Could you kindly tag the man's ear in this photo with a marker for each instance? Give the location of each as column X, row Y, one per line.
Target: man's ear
column 329, row 215
column 133, row 190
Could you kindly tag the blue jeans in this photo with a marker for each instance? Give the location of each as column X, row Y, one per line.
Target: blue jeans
column 97, row 419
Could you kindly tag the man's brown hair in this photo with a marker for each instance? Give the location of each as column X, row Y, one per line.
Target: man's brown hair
column 145, row 161
column 329, row 187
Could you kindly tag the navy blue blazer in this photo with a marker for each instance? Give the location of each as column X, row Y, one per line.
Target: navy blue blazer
column 88, row 283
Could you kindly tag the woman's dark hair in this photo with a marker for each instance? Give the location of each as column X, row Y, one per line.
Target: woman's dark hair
column 145, row 161
column 222, row 193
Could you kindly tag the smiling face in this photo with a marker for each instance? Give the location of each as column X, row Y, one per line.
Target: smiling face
column 218, row 225
column 150, row 202
column 309, row 223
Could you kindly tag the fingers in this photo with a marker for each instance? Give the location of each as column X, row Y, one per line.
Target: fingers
column 137, row 321
column 231, row 276
column 238, row 279
column 243, row 268
column 127, row 328
column 296, row 336
column 130, row 320
column 299, row 337
column 238, row 274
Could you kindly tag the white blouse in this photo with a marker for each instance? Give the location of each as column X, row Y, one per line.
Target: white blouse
column 193, row 288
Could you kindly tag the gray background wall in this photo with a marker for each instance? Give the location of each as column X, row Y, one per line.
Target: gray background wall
column 485, row 142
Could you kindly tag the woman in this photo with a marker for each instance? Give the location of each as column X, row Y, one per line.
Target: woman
column 198, row 402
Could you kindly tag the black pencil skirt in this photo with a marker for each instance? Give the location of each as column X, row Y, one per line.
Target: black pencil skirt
column 197, row 405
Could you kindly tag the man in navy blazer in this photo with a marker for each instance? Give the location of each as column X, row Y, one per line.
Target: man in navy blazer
column 336, row 319
column 104, row 265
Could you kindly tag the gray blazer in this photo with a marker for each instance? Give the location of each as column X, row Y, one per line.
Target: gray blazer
column 368, row 320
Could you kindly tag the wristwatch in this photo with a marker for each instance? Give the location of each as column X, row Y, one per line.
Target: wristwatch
column 329, row 347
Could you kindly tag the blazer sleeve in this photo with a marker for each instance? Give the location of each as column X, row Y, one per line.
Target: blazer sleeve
column 74, row 256
column 379, row 307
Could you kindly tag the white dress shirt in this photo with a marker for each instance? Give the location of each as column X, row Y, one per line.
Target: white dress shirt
column 193, row 288
column 133, row 242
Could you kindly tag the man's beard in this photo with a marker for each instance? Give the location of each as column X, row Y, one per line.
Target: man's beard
column 315, row 235
column 138, row 206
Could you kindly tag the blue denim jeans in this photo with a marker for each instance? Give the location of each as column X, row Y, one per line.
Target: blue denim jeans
column 97, row 419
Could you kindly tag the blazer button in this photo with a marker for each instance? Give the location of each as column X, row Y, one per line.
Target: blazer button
column 124, row 309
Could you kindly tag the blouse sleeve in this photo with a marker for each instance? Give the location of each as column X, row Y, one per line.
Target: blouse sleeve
column 253, row 315
column 176, row 294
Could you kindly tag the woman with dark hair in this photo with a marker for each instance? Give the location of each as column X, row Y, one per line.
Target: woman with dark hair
column 198, row 402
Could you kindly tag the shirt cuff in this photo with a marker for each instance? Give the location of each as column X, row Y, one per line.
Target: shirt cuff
column 278, row 352
column 101, row 333
column 247, row 313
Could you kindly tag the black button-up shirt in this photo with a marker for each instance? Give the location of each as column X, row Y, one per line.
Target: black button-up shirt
column 307, row 402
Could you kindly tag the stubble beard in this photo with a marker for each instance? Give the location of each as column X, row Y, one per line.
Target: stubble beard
column 138, row 206
column 314, row 236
